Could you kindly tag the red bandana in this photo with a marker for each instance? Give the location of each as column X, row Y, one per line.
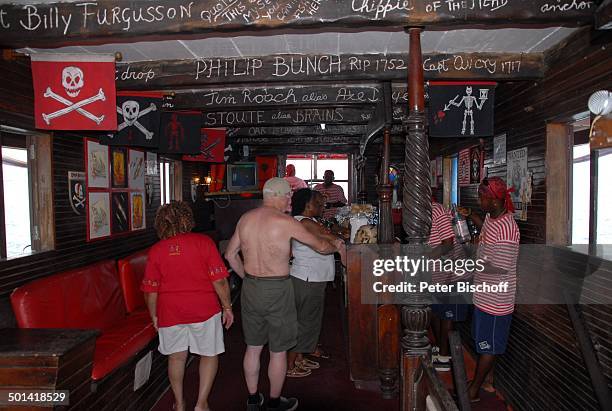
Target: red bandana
column 495, row 188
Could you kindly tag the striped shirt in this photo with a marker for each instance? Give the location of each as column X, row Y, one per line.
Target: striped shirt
column 441, row 229
column 498, row 246
column 333, row 194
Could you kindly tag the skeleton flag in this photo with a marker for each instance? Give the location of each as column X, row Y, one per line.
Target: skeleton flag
column 138, row 120
column 461, row 109
column 180, row 132
column 74, row 92
column 212, row 146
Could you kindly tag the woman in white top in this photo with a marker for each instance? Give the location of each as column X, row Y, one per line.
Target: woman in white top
column 310, row 272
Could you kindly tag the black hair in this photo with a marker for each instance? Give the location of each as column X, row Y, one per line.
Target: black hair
column 299, row 200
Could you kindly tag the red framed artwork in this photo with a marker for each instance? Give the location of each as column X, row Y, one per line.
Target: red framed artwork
column 115, row 187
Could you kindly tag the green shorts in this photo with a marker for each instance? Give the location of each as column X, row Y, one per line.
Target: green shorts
column 309, row 302
column 268, row 312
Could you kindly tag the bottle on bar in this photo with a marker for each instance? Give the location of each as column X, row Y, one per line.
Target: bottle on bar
column 460, row 226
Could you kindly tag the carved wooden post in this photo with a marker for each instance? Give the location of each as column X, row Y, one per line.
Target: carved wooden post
column 385, row 194
column 416, row 220
column 362, row 194
column 388, row 315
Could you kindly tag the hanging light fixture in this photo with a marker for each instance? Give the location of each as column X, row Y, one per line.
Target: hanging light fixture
column 600, row 103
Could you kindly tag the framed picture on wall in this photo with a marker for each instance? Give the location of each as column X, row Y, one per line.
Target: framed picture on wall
column 98, row 215
column 119, row 178
column 136, row 170
column 151, row 164
column 476, row 164
column 137, row 208
column 463, row 171
column 96, row 162
column 499, row 149
column 120, row 211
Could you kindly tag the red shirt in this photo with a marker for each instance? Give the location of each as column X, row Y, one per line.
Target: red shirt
column 499, row 246
column 332, row 194
column 441, row 229
column 181, row 269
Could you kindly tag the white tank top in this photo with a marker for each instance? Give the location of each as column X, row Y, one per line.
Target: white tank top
column 308, row 265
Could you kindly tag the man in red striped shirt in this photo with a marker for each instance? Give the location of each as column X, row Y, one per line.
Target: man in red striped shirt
column 498, row 246
column 333, row 193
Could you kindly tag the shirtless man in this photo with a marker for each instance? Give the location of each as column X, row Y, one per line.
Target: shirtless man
column 267, row 300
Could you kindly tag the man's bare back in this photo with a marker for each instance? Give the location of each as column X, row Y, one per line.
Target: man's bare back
column 264, row 237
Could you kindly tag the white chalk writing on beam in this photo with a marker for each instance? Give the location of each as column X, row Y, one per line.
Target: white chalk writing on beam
column 48, row 19
column 4, row 24
column 216, row 67
column 308, row 65
column 128, row 74
column 127, row 16
column 380, row 8
column 566, row 6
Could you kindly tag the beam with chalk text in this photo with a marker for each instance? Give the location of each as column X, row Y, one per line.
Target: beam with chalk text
column 39, row 24
column 334, row 67
column 293, row 117
column 311, row 131
column 271, row 95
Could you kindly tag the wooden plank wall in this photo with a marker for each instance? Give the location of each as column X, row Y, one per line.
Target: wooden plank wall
column 543, row 368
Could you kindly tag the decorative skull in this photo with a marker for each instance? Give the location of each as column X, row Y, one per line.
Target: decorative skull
column 72, row 80
column 130, row 110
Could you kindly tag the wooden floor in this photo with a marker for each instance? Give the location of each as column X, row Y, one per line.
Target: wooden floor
column 328, row 388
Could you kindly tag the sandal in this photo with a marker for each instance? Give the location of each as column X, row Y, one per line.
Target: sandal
column 308, row 364
column 319, row 353
column 298, row 372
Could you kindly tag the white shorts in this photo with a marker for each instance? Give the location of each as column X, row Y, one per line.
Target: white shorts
column 204, row 338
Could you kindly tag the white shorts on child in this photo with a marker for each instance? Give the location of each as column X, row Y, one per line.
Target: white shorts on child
column 204, row 338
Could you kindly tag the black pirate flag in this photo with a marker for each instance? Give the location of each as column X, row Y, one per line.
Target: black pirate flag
column 461, row 109
column 180, row 132
column 76, row 191
column 138, row 117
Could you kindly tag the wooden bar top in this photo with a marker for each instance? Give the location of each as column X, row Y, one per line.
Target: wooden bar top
column 15, row 342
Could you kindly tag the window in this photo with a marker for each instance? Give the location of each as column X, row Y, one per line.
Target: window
column 311, row 167
column 581, row 175
column 26, row 209
column 590, row 194
column 170, row 174
column 454, row 183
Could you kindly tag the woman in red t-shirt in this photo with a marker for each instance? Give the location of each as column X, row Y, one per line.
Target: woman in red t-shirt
column 184, row 280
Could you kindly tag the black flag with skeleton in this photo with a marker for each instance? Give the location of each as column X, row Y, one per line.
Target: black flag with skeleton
column 461, row 109
column 138, row 118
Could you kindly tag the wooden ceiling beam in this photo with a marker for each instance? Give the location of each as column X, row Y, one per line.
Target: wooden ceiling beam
column 37, row 24
column 603, row 16
column 291, row 68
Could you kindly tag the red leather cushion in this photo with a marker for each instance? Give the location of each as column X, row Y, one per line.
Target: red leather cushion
column 131, row 271
column 121, row 342
column 86, row 297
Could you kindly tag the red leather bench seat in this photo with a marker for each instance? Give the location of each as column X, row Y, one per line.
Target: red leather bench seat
column 131, row 271
column 86, row 297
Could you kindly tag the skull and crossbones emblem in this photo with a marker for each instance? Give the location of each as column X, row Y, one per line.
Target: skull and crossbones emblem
column 131, row 112
column 73, row 81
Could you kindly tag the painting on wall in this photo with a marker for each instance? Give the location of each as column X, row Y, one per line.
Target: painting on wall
column 136, row 170
column 119, row 167
column 120, row 221
column 96, row 158
column 98, row 215
column 137, row 210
